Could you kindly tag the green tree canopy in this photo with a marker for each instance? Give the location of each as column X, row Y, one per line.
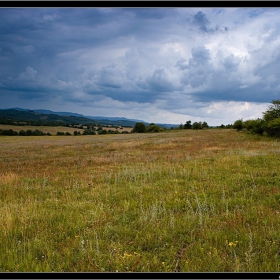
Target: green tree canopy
column 273, row 111
column 153, row 128
column 139, row 127
column 188, row 125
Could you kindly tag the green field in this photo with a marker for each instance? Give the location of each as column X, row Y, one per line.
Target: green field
column 189, row 201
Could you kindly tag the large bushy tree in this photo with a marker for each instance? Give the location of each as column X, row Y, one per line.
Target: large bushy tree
column 273, row 111
column 272, row 119
column 139, row 127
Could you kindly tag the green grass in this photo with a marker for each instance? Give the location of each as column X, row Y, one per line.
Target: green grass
column 200, row 201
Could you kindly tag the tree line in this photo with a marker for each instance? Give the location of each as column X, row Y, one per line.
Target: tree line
column 36, row 132
column 140, row 127
column 268, row 125
column 29, row 132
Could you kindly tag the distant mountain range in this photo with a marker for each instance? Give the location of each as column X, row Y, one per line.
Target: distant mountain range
column 41, row 115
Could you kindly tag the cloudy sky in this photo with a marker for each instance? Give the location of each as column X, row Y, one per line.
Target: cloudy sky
column 164, row 65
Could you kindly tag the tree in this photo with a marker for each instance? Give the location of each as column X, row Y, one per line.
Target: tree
column 103, row 131
column 139, row 127
column 272, row 119
column 255, row 126
column 205, row 125
column 59, row 133
column 153, row 128
column 197, row 125
column 188, row 125
column 273, row 111
column 273, row 127
column 89, row 132
column 238, row 124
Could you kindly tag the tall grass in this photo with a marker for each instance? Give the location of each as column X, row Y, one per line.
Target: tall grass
column 199, row 201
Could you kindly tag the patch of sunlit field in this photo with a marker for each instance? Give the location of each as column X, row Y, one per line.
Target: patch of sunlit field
column 177, row 201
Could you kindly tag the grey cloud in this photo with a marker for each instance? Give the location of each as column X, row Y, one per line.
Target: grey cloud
column 182, row 64
column 23, row 49
column 197, row 70
column 159, row 82
column 201, row 20
column 231, row 62
column 200, row 57
column 28, row 74
column 111, row 76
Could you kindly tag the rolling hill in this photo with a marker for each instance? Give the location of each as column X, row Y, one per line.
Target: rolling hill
column 48, row 117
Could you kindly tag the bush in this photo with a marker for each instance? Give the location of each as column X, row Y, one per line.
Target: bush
column 188, row 125
column 273, row 127
column 59, row 133
column 139, row 127
column 273, row 111
column 257, row 126
column 100, row 132
column 238, row 124
column 89, row 132
column 197, row 125
column 153, row 128
column 205, row 125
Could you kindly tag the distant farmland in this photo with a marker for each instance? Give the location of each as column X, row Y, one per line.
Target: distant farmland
column 54, row 129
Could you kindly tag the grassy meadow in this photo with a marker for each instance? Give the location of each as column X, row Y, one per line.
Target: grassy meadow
column 188, row 201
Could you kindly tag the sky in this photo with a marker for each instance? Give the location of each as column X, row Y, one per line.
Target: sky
column 161, row 65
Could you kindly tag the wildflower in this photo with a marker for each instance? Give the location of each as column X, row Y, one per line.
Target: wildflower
column 233, row 243
column 125, row 255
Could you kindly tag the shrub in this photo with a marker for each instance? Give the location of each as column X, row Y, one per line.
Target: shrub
column 139, row 127
column 273, row 128
column 197, row 125
column 188, row 125
column 89, row 132
column 257, row 126
column 238, row 124
column 59, row 133
column 153, row 128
